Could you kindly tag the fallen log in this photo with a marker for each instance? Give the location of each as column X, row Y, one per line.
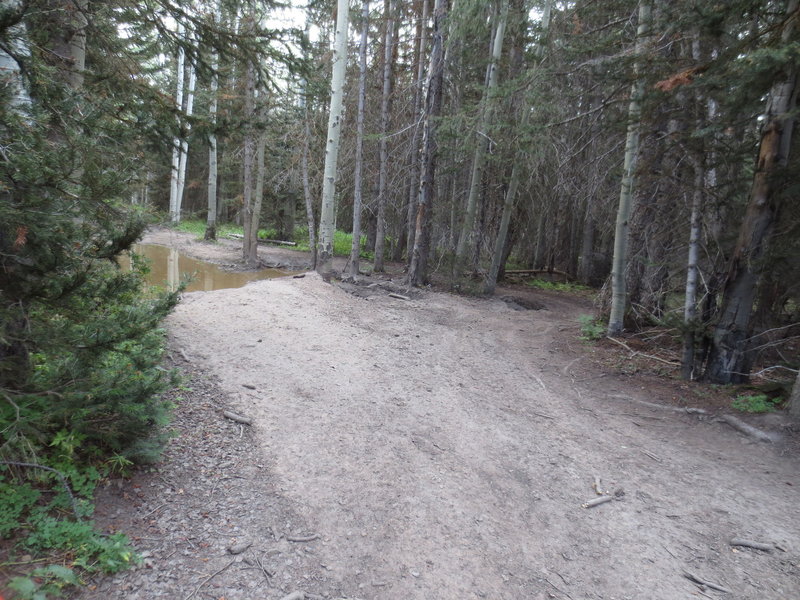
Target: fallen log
column 747, row 429
column 239, row 236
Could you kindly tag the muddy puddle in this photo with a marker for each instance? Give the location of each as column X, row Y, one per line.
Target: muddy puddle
column 168, row 268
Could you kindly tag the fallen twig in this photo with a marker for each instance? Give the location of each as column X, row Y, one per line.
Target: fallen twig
column 651, row 455
column 207, row 579
column 597, row 501
column 185, row 357
column 238, row 418
column 751, row 544
column 708, row 584
column 747, row 429
column 302, row 538
column 58, row 473
column 650, row 356
column 398, row 296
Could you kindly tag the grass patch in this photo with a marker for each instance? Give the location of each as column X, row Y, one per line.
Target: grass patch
column 591, row 328
column 558, row 286
column 756, row 403
column 342, row 241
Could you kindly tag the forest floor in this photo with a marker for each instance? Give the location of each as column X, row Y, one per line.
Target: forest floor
column 440, row 447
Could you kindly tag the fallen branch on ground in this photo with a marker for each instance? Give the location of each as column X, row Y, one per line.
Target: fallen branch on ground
column 238, row 418
column 747, row 429
column 398, row 296
column 650, row 356
column 597, row 501
column 184, row 356
column 302, row 538
column 207, row 579
column 751, row 544
column 708, row 584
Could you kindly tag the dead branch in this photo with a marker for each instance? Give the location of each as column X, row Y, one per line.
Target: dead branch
column 687, row 409
column 185, row 357
column 751, row 544
column 302, row 538
column 207, row 579
column 708, row 584
column 747, row 429
column 650, row 356
column 398, row 296
column 597, row 501
column 237, row 418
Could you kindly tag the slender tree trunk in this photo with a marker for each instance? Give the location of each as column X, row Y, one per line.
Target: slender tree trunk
column 307, row 196
column 482, row 146
column 388, row 68
column 505, row 219
column 248, row 163
column 259, row 193
column 355, row 250
column 618, row 293
column 418, row 271
column 211, row 217
column 794, row 399
column 729, row 360
column 414, row 154
column 690, row 301
column 328, row 211
column 176, row 141
column 184, row 154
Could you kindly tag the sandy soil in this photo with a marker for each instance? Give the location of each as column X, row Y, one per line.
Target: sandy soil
column 438, row 447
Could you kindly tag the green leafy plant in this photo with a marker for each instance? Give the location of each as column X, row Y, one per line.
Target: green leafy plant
column 755, row 403
column 557, row 286
column 591, row 328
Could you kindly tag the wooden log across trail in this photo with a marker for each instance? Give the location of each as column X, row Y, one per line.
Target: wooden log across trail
column 239, row 236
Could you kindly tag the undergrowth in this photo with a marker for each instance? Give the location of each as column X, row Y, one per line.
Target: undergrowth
column 558, row 286
column 756, row 403
column 342, row 241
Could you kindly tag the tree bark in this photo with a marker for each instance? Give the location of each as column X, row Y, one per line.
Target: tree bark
column 414, row 154
column 176, row 141
column 211, row 217
column 248, row 162
column 355, row 250
column 482, row 146
column 794, row 399
column 618, row 298
column 729, row 360
column 388, row 68
column 328, row 211
column 418, row 270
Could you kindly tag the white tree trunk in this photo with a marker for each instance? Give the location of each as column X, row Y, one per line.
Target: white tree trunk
column 184, row 153
column 211, row 218
column 482, row 145
column 259, row 193
column 328, row 211
column 355, row 249
column 618, row 292
column 10, row 73
column 176, row 142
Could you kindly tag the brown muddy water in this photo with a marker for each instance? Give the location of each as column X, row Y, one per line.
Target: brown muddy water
column 168, row 268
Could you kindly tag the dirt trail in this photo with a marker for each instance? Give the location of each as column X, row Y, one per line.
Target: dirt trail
column 442, row 447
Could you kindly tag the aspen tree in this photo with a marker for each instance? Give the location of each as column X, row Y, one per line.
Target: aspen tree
column 618, row 293
column 328, row 211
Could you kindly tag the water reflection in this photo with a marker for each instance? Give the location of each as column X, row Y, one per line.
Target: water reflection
column 168, row 268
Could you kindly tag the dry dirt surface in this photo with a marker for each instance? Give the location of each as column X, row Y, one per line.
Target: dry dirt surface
column 440, row 447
